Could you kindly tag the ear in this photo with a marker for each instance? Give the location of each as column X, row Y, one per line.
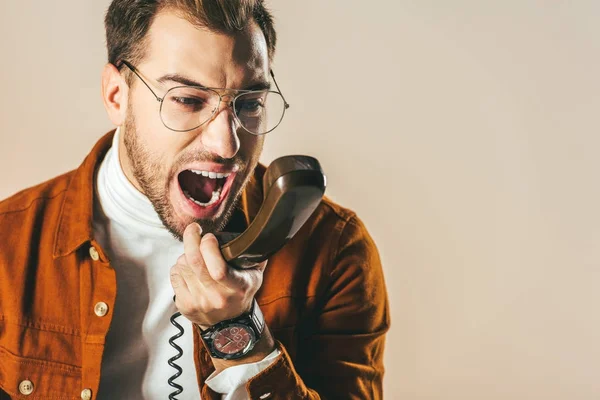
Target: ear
column 114, row 94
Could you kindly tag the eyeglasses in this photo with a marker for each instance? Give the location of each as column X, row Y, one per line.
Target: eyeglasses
column 185, row 108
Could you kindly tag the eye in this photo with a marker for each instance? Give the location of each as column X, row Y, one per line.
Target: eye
column 186, row 104
column 188, row 101
column 249, row 107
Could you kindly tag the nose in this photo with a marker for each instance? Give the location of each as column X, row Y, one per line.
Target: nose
column 220, row 134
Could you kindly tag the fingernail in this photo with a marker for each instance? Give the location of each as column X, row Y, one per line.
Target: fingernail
column 199, row 228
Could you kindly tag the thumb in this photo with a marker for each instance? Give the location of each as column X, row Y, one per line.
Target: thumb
column 192, row 236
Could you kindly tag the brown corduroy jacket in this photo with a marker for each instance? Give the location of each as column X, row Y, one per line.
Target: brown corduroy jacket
column 323, row 298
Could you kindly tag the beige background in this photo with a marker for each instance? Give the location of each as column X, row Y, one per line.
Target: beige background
column 463, row 132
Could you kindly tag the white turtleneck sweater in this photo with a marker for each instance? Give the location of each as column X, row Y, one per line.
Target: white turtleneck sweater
column 142, row 251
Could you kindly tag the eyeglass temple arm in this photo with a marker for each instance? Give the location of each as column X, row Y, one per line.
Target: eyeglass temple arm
column 287, row 105
column 132, row 68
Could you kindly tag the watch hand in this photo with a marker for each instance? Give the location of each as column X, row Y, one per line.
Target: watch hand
column 227, row 345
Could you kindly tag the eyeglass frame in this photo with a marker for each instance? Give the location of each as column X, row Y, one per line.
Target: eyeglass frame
column 238, row 92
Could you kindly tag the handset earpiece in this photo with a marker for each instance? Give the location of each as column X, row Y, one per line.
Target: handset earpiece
column 293, row 187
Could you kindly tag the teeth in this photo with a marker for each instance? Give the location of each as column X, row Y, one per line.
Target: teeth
column 215, row 197
column 210, row 174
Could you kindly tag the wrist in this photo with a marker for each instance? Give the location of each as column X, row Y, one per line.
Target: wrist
column 204, row 326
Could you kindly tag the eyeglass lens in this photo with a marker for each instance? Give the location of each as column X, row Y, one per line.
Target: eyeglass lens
column 186, row 108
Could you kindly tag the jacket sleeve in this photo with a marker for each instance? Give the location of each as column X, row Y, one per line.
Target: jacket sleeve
column 341, row 353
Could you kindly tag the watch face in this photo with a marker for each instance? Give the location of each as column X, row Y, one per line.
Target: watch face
column 233, row 339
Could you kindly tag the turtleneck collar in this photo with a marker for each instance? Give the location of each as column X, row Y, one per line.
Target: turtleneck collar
column 121, row 202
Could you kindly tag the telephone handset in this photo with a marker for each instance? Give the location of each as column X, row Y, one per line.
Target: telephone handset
column 293, row 187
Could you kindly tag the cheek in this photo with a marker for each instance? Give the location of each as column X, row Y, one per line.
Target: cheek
column 164, row 148
column 159, row 142
column 251, row 145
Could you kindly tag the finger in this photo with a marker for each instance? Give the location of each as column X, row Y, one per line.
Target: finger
column 216, row 265
column 258, row 268
column 254, row 273
column 193, row 255
column 180, row 287
column 232, row 278
column 262, row 266
column 188, row 288
column 186, row 272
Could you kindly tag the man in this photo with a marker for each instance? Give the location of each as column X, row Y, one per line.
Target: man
column 90, row 261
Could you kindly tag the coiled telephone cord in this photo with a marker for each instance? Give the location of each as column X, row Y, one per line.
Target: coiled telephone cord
column 178, row 388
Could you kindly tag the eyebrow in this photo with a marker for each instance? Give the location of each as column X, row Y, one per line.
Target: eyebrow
column 183, row 80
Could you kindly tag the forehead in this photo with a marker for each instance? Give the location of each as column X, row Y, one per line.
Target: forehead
column 176, row 46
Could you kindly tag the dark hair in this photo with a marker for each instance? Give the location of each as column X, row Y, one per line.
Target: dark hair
column 127, row 22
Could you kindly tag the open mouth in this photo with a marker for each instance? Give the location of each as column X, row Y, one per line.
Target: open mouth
column 204, row 188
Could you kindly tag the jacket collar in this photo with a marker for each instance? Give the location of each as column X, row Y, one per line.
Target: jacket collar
column 76, row 215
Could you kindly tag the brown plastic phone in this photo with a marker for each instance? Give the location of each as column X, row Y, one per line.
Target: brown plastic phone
column 293, row 188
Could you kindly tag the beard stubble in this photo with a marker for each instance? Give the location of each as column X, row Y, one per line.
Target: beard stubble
column 154, row 181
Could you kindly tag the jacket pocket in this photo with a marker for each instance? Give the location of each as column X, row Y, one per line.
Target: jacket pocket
column 46, row 380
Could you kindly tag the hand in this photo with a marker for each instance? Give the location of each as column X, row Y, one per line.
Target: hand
column 207, row 289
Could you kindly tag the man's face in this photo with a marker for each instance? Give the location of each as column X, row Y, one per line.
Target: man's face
column 166, row 165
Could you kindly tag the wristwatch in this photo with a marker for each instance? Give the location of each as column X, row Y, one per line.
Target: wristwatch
column 234, row 338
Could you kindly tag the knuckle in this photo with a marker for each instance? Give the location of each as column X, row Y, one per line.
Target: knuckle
column 206, row 305
column 220, row 274
column 252, row 281
column 186, row 272
column 194, row 260
column 240, row 292
column 175, row 275
column 220, row 302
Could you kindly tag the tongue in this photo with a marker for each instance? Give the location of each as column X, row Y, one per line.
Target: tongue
column 199, row 187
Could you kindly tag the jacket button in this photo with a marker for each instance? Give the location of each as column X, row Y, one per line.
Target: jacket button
column 94, row 254
column 86, row 394
column 26, row 387
column 101, row 308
